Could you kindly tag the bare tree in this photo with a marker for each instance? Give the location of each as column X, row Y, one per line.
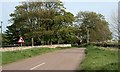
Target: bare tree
column 114, row 25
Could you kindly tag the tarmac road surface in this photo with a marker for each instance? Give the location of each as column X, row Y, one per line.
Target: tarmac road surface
column 67, row 59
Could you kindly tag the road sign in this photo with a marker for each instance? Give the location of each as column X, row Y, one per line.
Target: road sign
column 21, row 40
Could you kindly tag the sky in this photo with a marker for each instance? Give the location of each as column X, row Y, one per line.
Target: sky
column 104, row 7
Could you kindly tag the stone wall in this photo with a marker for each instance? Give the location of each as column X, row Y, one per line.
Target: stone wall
column 29, row 47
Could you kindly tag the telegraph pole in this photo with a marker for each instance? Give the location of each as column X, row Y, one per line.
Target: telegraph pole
column 1, row 34
column 119, row 24
column 1, row 47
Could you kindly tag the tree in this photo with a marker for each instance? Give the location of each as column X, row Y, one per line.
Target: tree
column 94, row 27
column 114, row 25
column 40, row 21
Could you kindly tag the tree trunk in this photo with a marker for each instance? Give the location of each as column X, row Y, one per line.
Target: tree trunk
column 58, row 41
column 32, row 41
column 51, row 43
column 48, row 42
column 88, row 39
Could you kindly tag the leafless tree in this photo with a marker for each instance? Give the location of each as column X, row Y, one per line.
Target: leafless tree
column 114, row 25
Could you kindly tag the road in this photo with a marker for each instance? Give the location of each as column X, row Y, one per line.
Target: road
column 68, row 59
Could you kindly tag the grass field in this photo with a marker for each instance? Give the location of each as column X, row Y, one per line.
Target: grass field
column 9, row 57
column 98, row 58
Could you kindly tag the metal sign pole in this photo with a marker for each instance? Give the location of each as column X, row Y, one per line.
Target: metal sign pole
column 21, row 47
column 21, row 44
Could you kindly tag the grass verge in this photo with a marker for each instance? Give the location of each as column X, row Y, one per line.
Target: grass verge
column 100, row 59
column 12, row 56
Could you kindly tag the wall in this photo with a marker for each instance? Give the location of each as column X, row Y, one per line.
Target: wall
column 29, row 47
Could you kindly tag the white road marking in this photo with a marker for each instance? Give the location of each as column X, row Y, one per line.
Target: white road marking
column 37, row 66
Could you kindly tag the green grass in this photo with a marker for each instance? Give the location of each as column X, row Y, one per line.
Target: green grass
column 12, row 56
column 100, row 59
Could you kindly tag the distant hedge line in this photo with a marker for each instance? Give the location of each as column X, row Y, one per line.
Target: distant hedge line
column 98, row 44
column 106, row 45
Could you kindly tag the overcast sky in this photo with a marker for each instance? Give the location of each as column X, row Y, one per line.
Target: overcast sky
column 105, row 7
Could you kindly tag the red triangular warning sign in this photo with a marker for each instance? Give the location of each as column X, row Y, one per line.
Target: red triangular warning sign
column 21, row 40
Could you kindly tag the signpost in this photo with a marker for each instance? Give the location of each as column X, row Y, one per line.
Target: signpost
column 21, row 41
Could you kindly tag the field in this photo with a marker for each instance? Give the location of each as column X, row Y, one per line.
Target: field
column 9, row 57
column 99, row 58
